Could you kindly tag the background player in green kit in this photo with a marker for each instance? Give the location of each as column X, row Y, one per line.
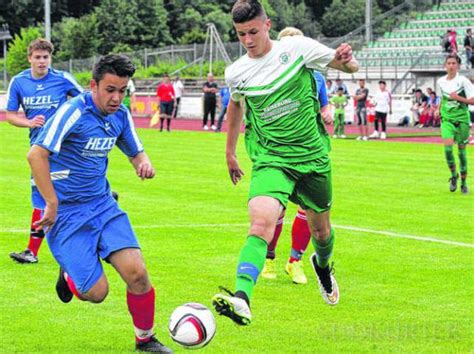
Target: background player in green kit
column 457, row 92
column 290, row 162
column 339, row 102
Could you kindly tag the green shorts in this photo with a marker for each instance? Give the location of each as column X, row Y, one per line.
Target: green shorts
column 459, row 131
column 307, row 184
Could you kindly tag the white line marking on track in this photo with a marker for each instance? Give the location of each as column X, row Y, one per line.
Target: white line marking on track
column 343, row 227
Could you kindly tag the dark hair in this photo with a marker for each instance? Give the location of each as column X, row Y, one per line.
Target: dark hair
column 166, row 75
column 247, row 10
column 418, row 90
column 116, row 64
column 454, row 56
column 382, row 82
column 40, row 44
column 340, row 88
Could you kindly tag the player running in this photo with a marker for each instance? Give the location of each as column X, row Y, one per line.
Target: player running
column 40, row 91
column 457, row 93
column 290, row 161
column 69, row 163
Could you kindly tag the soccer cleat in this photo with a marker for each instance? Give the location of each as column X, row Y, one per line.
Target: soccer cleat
column 24, row 257
column 342, row 136
column 359, row 138
column 383, row 136
column 268, row 271
column 62, row 289
column 233, row 307
column 115, row 195
column 327, row 283
column 153, row 345
column 374, row 135
column 464, row 189
column 334, row 136
column 296, row 272
column 213, row 127
column 365, row 138
column 205, row 127
column 453, row 183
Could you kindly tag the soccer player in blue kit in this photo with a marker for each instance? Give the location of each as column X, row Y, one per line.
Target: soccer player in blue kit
column 40, row 91
column 83, row 222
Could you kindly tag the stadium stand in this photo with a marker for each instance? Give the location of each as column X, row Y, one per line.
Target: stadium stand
column 421, row 36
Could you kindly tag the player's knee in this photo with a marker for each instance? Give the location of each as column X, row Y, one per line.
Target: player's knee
column 261, row 227
column 138, row 279
column 98, row 294
column 321, row 232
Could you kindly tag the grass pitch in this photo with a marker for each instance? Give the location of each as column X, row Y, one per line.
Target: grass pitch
column 398, row 294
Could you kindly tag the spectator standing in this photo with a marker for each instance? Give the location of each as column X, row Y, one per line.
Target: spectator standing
column 361, row 95
column 453, row 44
column 210, row 89
column 224, row 95
column 329, row 88
column 468, row 48
column 383, row 106
column 178, row 87
column 129, row 99
column 339, row 102
column 165, row 93
column 340, row 84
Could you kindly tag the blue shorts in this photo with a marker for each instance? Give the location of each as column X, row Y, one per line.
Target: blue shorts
column 83, row 232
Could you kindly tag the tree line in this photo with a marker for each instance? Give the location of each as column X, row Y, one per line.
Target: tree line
column 82, row 29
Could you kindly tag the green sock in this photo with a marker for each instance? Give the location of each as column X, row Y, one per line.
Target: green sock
column 463, row 165
column 448, row 152
column 251, row 261
column 324, row 249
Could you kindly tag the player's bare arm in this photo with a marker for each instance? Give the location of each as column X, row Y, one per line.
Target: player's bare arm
column 234, row 117
column 461, row 99
column 143, row 166
column 19, row 120
column 343, row 59
column 38, row 160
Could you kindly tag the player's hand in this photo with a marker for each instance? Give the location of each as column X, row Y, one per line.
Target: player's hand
column 145, row 171
column 454, row 95
column 37, row 121
column 49, row 217
column 327, row 118
column 235, row 172
column 344, row 53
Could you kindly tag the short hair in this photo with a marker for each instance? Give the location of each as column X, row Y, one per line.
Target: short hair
column 116, row 64
column 382, row 82
column 361, row 80
column 40, row 44
column 453, row 56
column 166, row 75
column 289, row 32
column 247, row 10
column 418, row 90
column 340, row 88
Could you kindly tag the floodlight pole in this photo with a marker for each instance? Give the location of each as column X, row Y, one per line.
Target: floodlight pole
column 47, row 19
column 368, row 20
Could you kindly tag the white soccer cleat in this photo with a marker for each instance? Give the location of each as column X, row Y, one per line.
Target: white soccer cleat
column 233, row 307
column 342, row 136
column 374, row 135
column 205, row 127
column 383, row 136
column 213, row 127
column 327, row 282
column 334, row 136
column 365, row 138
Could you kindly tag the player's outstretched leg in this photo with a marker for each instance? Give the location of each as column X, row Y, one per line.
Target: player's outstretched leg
column 236, row 306
column 30, row 255
column 325, row 274
column 269, row 269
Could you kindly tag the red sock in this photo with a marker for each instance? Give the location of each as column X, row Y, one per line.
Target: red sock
column 36, row 237
column 276, row 236
column 72, row 286
column 300, row 237
column 142, row 309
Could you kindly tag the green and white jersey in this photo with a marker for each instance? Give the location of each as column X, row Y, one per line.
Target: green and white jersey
column 280, row 97
column 453, row 110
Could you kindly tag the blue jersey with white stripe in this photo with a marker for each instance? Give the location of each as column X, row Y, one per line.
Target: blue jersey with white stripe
column 40, row 96
column 80, row 138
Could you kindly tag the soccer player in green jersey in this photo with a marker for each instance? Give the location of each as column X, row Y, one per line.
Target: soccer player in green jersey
column 275, row 82
column 339, row 102
column 457, row 92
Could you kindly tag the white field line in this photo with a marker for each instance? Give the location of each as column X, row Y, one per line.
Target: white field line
column 343, row 227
